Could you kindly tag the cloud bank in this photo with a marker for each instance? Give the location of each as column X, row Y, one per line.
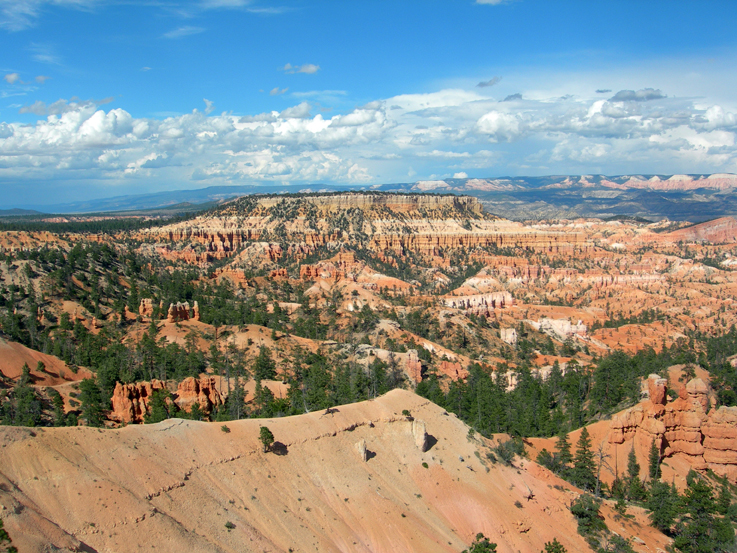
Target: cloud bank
column 438, row 134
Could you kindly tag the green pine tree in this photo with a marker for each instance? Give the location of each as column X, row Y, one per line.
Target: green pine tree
column 654, row 462
column 701, row 529
column 635, row 489
column 554, row 547
column 266, row 438
column 583, row 473
column 663, row 506
column 91, row 398
column 159, row 408
column 481, row 545
column 563, row 455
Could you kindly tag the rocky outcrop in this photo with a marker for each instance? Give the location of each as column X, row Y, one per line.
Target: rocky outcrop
column 202, row 391
column 686, row 426
column 130, row 401
column 182, row 312
column 391, row 224
column 419, row 432
column 362, row 451
column 560, row 329
column 452, row 370
column 414, row 366
column 508, row 335
column 720, row 441
column 146, row 308
column 480, row 303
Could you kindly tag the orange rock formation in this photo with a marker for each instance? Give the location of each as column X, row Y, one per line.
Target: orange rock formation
column 130, row 402
column 687, row 426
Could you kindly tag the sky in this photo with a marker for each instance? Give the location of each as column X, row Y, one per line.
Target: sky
column 102, row 98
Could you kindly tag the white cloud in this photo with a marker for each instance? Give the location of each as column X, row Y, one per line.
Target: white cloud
column 445, row 132
column 276, row 91
column 11, row 78
column 16, row 15
column 181, row 32
column 41, row 79
column 209, row 106
column 308, row 68
column 460, row 175
column 491, row 2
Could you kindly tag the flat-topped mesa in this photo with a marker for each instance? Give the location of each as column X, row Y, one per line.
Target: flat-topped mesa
column 388, row 223
column 366, row 201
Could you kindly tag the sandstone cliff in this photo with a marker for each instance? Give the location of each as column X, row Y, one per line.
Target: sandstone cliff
column 687, row 426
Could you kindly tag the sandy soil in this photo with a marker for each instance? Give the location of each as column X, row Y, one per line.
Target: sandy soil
column 173, row 486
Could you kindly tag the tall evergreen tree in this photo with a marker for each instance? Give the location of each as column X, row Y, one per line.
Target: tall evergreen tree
column 563, row 455
column 635, row 489
column 583, row 473
column 701, row 529
column 654, row 462
column 89, row 395
column 663, row 506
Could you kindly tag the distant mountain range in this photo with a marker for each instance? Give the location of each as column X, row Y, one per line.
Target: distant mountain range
column 676, row 197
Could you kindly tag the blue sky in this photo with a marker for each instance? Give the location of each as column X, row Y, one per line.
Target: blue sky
column 103, row 98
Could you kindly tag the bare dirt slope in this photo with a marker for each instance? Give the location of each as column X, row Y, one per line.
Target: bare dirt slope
column 173, row 486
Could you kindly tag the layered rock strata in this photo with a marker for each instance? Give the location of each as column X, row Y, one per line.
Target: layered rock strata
column 687, row 426
column 130, row 402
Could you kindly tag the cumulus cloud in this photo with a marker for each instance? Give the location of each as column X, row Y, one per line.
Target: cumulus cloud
column 181, row 32
column 461, row 175
column 643, row 95
column 308, row 68
column 449, row 131
column 11, row 78
column 490, row 82
column 301, row 111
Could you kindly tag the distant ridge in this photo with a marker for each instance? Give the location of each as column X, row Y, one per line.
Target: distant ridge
column 696, row 197
column 19, row 212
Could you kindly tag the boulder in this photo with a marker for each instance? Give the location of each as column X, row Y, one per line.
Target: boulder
column 658, row 389
column 362, row 451
column 420, row 435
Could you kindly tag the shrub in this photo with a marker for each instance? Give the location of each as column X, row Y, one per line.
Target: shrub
column 266, row 437
column 586, row 511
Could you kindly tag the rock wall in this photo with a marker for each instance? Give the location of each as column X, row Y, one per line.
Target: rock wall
column 130, row 402
column 687, row 426
column 480, row 303
column 202, row 391
column 182, row 312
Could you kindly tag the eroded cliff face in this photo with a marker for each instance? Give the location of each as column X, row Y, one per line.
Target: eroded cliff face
column 430, row 226
column 689, row 426
column 130, row 402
